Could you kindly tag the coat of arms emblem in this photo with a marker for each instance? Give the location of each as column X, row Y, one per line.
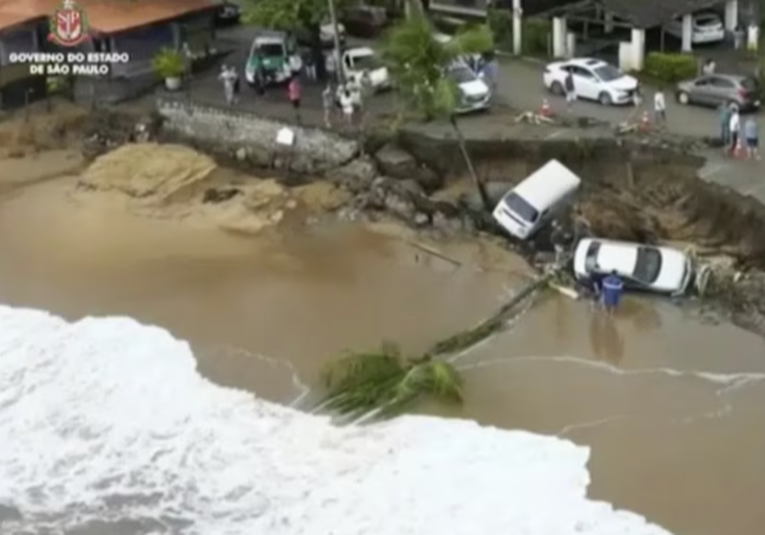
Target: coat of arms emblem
column 69, row 25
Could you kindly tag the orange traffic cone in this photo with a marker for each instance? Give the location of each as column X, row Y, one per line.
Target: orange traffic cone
column 545, row 110
column 645, row 122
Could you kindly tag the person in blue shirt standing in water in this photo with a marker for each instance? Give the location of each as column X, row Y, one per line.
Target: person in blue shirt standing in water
column 612, row 292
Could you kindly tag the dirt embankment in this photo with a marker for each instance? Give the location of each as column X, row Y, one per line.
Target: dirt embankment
column 632, row 191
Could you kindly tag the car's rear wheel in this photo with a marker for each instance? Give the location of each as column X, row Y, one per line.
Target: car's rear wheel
column 557, row 89
column 605, row 98
column 683, row 98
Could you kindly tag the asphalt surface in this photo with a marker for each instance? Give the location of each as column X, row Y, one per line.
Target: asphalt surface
column 520, row 88
column 520, row 84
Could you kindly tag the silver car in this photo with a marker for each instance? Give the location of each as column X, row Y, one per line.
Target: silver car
column 716, row 89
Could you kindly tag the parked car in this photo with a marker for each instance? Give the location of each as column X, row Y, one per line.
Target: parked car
column 228, row 13
column 642, row 267
column 356, row 61
column 365, row 21
column 593, row 80
column 716, row 89
column 326, row 35
column 276, row 54
column 535, row 201
column 706, row 28
column 475, row 94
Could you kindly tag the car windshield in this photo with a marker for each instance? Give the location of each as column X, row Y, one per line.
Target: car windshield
column 366, row 63
column 607, row 73
column 270, row 49
column 462, row 75
column 520, row 207
column 648, row 265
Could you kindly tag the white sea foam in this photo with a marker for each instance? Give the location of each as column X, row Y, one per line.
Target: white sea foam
column 108, row 419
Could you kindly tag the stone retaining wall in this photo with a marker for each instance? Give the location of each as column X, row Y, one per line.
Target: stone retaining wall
column 252, row 138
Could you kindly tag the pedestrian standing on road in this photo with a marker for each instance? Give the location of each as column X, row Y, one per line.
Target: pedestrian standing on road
column 570, row 90
column 708, row 68
column 346, row 104
column 309, row 65
column 489, row 71
column 637, row 96
column 237, row 85
column 327, row 104
column 659, row 108
column 294, row 93
column 227, row 77
column 725, row 111
column 734, row 127
column 752, row 136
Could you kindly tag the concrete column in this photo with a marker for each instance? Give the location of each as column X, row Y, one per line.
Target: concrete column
column 570, row 45
column 731, row 15
column 752, row 37
column 559, row 28
column 687, row 45
column 638, row 48
column 517, row 27
column 608, row 23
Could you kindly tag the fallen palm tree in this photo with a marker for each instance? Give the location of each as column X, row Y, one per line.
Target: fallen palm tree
column 384, row 383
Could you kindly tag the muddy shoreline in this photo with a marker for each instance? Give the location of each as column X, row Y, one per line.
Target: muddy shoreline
column 634, row 189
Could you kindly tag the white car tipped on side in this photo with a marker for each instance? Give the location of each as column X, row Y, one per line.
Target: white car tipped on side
column 594, row 79
column 644, row 267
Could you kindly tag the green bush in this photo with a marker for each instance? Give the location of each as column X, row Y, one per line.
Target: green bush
column 501, row 25
column 670, row 68
column 536, row 37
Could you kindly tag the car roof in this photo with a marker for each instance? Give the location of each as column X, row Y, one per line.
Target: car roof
column 271, row 39
column 592, row 63
column 617, row 256
column 738, row 78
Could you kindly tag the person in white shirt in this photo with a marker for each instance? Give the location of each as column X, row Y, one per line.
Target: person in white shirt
column 346, row 104
column 659, row 107
column 735, row 128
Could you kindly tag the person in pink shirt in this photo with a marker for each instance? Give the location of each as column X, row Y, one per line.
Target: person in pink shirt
column 293, row 93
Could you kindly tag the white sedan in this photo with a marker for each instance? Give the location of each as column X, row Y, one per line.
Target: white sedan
column 593, row 80
column 706, row 27
column 642, row 267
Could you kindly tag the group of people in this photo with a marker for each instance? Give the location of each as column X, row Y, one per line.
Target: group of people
column 736, row 134
column 347, row 98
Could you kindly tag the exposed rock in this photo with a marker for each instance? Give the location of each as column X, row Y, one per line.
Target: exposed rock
column 356, row 176
column 241, row 154
column 397, row 163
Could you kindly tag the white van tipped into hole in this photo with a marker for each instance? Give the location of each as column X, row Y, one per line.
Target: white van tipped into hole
column 531, row 204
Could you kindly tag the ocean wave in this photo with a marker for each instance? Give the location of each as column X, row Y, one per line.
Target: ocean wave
column 107, row 420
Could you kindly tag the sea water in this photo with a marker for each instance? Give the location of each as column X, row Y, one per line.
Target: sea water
column 108, row 420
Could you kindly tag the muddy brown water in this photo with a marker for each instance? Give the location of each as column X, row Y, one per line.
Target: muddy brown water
column 674, row 408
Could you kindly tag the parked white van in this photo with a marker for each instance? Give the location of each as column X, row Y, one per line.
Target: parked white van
column 529, row 205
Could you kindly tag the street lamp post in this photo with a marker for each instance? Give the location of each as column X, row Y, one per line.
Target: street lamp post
column 336, row 36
